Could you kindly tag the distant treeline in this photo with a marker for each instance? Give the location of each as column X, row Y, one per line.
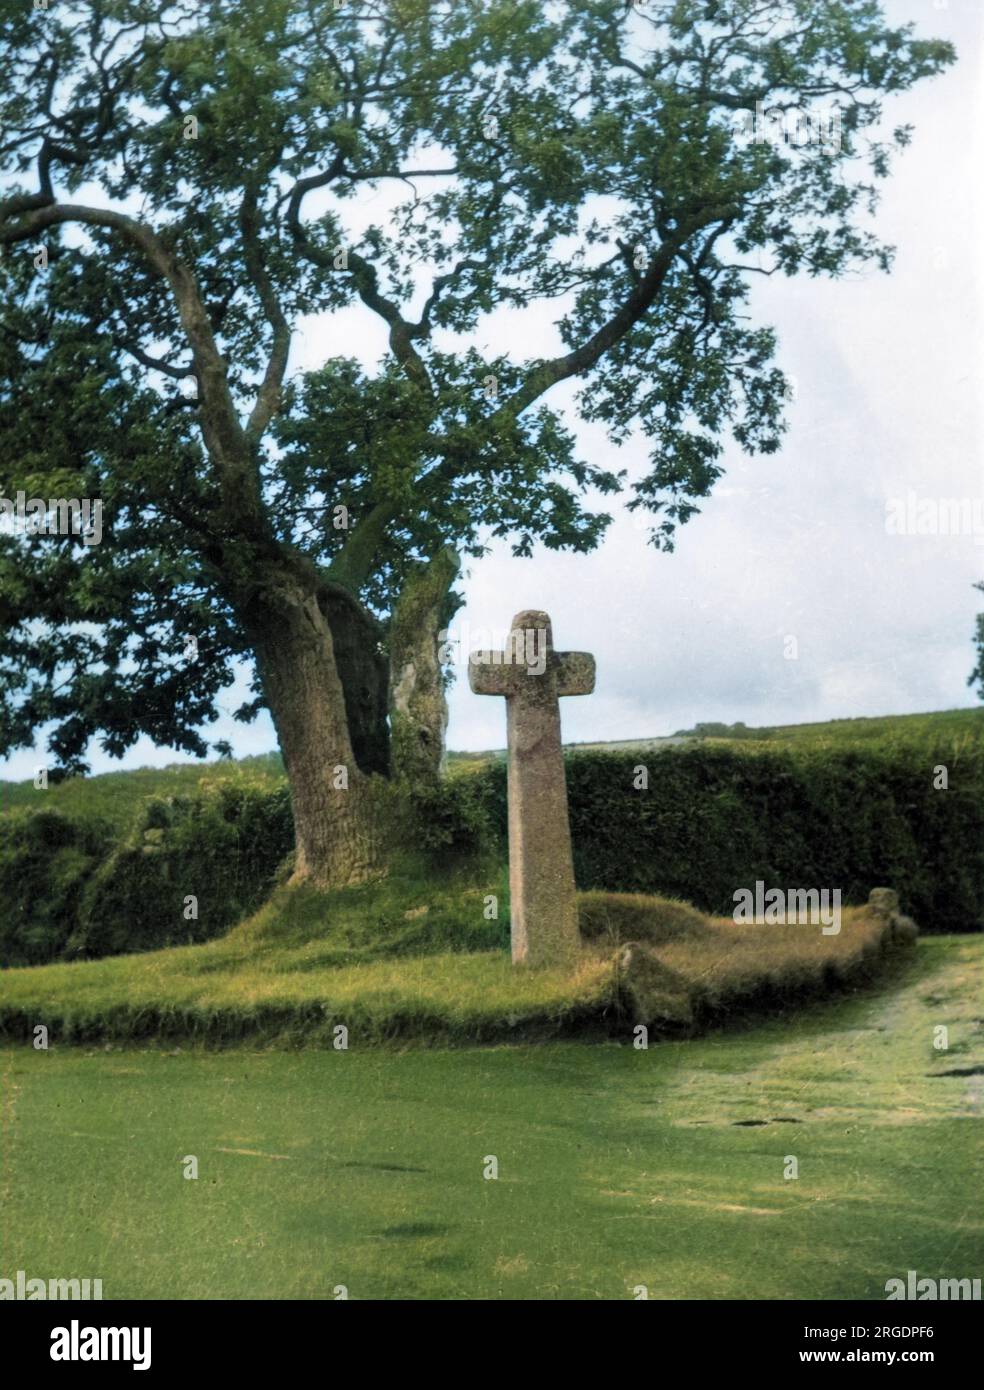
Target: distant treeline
column 712, row 730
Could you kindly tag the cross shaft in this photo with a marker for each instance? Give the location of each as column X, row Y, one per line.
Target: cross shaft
column 531, row 676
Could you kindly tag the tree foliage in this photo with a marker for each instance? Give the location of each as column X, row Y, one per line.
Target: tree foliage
column 205, row 178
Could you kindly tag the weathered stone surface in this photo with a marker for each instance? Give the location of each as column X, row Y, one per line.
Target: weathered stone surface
column 531, row 676
column 902, row 930
column 884, row 900
column 653, row 993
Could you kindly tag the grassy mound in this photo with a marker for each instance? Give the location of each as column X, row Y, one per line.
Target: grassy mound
column 408, row 958
column 614, row 918
column 733, row 970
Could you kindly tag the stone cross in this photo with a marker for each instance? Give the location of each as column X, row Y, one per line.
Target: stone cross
column 531, row 676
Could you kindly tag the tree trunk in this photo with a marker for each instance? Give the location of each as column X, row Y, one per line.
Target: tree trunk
column 324, row 678
column 418, row 709
column 340, row 813
column 364, row 673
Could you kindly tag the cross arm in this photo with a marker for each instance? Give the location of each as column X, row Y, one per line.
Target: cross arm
column 575, row 673
column 490, row 674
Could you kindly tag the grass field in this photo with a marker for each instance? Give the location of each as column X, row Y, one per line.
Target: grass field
column 616, row 1167
column 115, row 796
column 952, row 728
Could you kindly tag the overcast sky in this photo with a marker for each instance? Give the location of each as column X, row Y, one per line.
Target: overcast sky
column 888, row 375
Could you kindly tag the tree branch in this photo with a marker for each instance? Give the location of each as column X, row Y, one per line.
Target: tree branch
column 441, row 283
column 352, row 564
column 401, row 332
column 154, row 364
column 268, row 398
column 644, row 293
column 224, row 437
column 363, row 275
column 23, row 202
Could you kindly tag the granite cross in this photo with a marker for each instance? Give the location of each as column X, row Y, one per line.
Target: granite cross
column 531, row 676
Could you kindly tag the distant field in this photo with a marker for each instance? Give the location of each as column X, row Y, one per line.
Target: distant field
column 114, row 795
column 918, row 729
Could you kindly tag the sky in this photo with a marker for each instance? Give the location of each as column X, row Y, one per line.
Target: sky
column 792, row 597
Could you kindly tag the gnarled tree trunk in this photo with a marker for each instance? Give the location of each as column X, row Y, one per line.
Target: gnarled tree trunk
column 357, row 639
column 418, row 708
column 340, row 812
column 323, row 672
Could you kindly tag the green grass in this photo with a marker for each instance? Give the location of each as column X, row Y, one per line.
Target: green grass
column 955, row 728
column 402, row 955
column 115, row 797
column 617, row 1167
column 410, row 957
column 920, row 728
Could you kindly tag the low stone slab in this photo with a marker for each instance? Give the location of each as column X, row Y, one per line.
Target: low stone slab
column 902, row 930
column 649, row 990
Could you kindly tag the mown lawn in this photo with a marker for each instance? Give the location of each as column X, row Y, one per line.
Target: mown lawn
column 616, row 1167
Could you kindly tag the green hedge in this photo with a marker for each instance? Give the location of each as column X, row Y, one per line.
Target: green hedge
column 221, row 848
column 715, row 819
column 69, row 890
column 712, row 819
column 45, row 860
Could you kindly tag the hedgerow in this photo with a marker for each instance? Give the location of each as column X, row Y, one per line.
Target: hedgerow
column 694, row 822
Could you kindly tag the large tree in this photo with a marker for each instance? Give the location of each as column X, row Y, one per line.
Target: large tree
column 185, row 182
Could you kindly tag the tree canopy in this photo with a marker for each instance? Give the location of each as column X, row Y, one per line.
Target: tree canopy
column 200, row 178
